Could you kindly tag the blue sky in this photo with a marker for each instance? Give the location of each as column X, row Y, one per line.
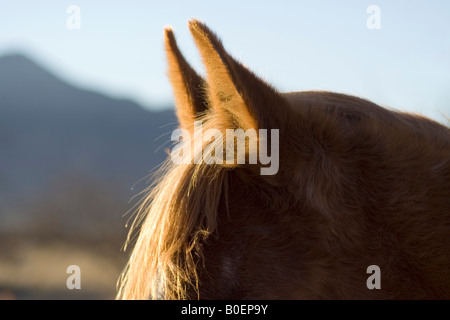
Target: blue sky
column 295, row 45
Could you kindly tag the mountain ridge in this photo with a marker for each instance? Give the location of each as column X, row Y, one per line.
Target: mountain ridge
column 50, row 129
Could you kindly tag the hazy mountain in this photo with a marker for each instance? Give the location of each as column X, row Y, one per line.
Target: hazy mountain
column 52, row 131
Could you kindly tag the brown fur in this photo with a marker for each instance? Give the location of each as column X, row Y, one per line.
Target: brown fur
column 358, row 185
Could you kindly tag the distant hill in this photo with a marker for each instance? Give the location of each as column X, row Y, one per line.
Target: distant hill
column 51, row 130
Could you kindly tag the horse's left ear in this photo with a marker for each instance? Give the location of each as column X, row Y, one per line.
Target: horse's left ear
column 187, row 85
column 236, row 94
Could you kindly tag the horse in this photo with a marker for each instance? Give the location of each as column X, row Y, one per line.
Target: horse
column 360, row 187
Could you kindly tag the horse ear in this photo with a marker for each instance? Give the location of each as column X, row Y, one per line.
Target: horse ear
column 235, row 93
column 187, row 85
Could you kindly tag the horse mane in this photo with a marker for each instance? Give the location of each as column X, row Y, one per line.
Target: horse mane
column 173, row 222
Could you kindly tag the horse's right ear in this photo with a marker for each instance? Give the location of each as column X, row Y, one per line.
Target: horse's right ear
column 188, row 86
column 235, row 94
